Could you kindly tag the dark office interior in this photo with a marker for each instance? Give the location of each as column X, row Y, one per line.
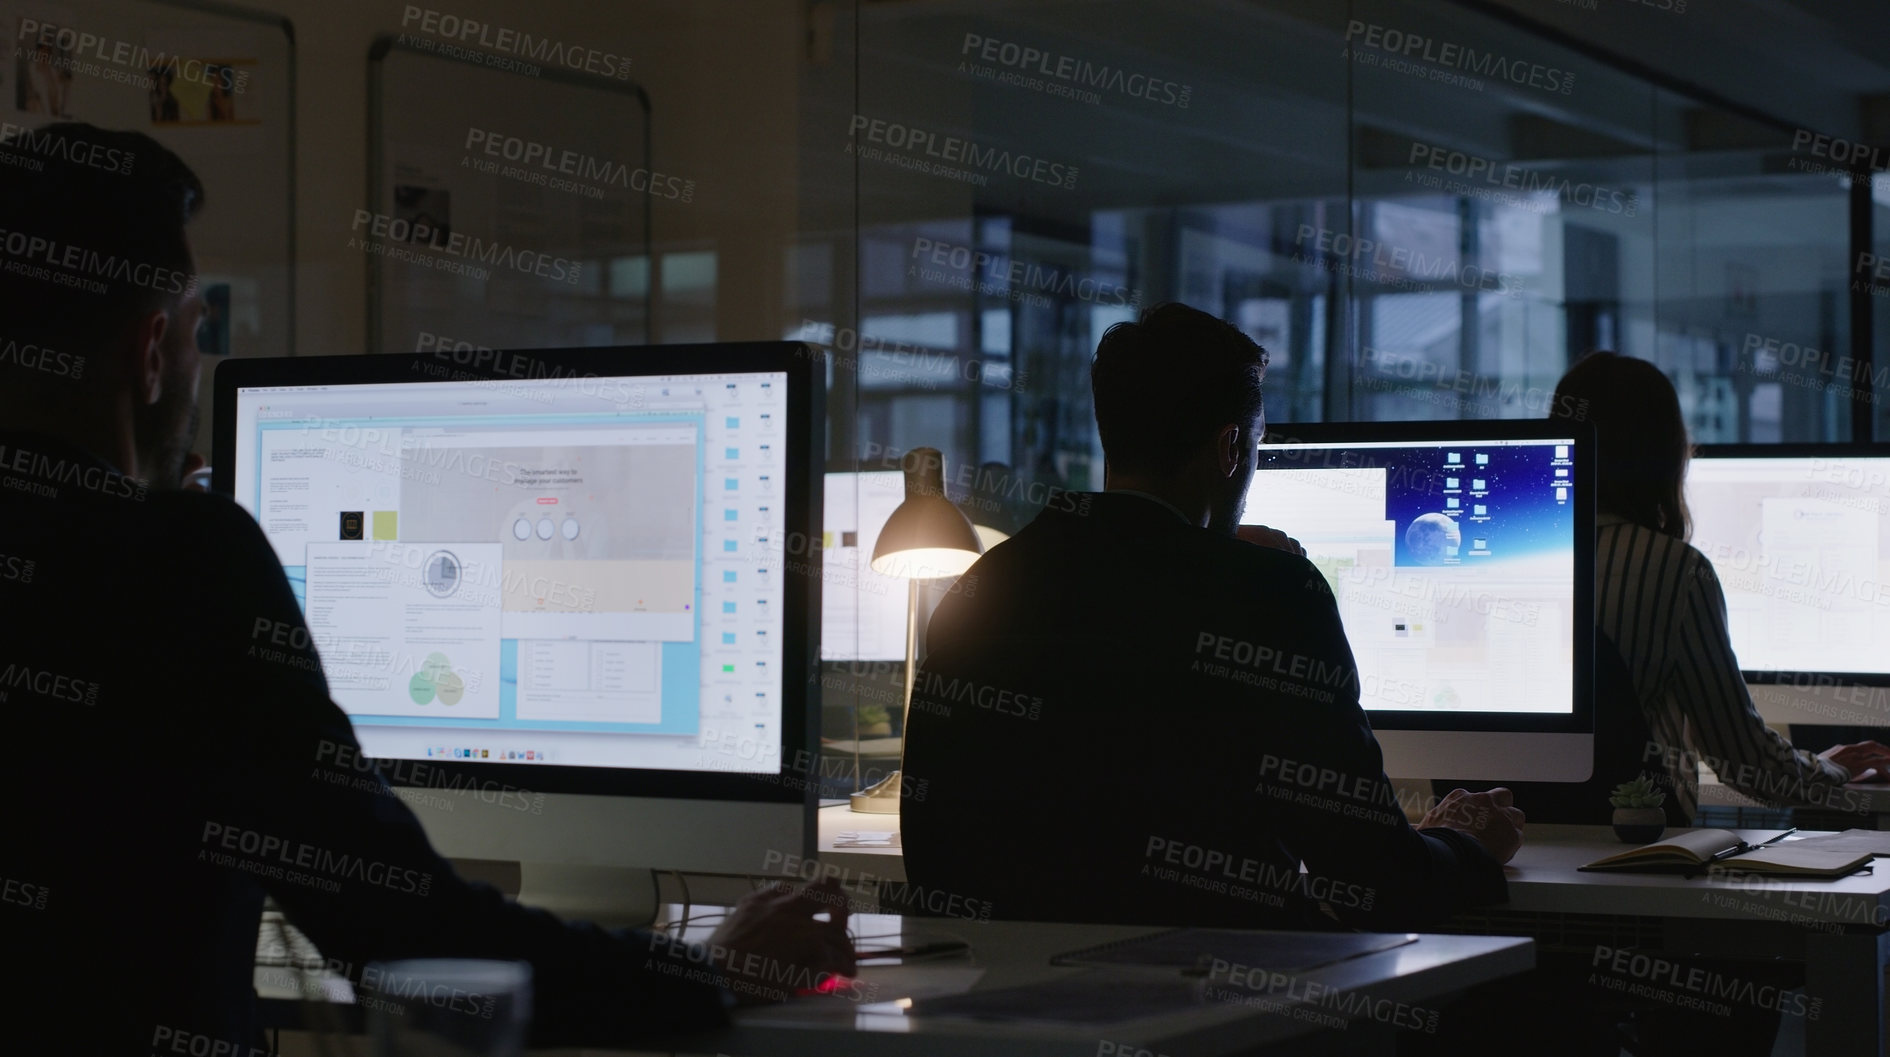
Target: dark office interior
column 1110, row 528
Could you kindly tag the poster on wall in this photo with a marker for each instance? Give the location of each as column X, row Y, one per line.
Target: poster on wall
column 43, row 64
column 202, row 79
column 210, row 98
column 205, row 80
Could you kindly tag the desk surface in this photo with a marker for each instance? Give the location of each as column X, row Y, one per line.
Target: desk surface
column 888, row 862
column 1544, row 875
column 1401, row 987
column 1391, row 987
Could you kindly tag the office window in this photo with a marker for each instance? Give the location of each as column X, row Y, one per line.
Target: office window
column 1409, row 239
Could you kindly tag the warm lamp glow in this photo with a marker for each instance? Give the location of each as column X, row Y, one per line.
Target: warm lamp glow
column 926, row 538
column 925, row 563
column 989, row 536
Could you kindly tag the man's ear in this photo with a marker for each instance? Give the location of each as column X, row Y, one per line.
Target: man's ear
column 1227, row 449
column 148, row 356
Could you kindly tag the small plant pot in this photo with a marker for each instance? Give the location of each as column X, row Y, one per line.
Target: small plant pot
column 1639, row 825
column 881, row 729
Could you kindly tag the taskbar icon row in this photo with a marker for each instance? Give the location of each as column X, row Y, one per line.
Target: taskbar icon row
column 438, row 752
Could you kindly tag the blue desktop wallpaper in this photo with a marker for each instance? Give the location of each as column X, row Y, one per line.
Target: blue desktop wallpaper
column 1519, row 516
column 1435, row 502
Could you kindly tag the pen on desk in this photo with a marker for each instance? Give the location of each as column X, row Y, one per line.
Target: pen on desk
column 1775, row 840
column 1742, row 847
column 923, row 950
column 1738, row 849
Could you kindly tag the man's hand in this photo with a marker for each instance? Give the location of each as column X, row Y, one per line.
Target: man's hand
column 772, row 936
column 1270, row 537
column 1867, row 760
column 1491, row 818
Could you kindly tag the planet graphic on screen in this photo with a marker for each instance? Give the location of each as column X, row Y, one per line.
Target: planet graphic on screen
column 1432, row 538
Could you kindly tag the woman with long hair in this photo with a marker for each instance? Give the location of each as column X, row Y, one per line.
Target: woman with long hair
column 1659, row 603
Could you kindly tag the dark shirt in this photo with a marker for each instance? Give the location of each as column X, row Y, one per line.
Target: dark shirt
column 1126, row 718
column 175, row 757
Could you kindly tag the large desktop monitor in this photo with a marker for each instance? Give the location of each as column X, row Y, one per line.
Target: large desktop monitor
column 1460, row 555
column 530, row 580
column 1799, row 537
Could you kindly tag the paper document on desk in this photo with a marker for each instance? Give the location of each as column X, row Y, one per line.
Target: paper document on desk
column 1197, row 950
column 1855, row 841
column 892, row 982
column 1694, row 850
column 1086, row 998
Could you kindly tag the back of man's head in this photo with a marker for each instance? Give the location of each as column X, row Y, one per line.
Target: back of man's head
column 91, row 233
column 1165, row 384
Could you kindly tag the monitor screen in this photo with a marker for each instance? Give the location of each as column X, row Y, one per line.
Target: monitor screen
column 862, row 613
column 1801, row 545
column 1453, row 556
column 533, row 570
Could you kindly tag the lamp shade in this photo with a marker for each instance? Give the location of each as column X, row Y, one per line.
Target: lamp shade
column 926, row 537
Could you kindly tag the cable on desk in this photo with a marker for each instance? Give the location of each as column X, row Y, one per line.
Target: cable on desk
column 921, row 936
column 683, row 927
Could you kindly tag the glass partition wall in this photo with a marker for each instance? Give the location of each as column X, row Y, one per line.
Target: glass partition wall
column 1422, row 213
column 1424, row 210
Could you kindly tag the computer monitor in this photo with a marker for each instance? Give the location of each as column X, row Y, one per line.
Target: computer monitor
column 1461, row 556
column 862, row 613
column 529, row 579
column 1799, row 536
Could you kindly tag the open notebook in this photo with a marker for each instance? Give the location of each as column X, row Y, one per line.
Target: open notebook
column 1693, row 850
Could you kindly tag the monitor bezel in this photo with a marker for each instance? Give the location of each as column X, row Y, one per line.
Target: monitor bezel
column 1790, row 677
column 803, row 365
column 1581, row 718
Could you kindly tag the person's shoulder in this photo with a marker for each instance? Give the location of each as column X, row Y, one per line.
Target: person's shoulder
column 1629, row 539
column 1247, row 565
column 1695, row 566
column 1253, row 557
column 1652, row 543
column 183, row 505
column 207, row 529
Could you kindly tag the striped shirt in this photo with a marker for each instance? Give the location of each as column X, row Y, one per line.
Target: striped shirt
column 1659, row 601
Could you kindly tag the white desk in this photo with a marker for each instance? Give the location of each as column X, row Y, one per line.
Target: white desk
column 1827, row 925
column 1419, row 976
column 884, row 863
column 1832, row 926
column 1006, row 954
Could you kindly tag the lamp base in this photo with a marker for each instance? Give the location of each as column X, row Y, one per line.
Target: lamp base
column 880, row 798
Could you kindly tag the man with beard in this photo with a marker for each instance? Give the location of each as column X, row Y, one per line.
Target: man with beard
column 174, row 746
column 1138, row 711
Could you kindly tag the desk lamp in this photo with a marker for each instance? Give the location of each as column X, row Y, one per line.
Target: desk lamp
column 926, row 538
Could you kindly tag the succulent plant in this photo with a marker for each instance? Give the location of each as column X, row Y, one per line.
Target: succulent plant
column 870, row 715
column 1638, row 793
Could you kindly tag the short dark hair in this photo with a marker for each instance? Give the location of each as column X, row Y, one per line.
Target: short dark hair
column 1166, row 383
column 1641, row 465
column 91, row 231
